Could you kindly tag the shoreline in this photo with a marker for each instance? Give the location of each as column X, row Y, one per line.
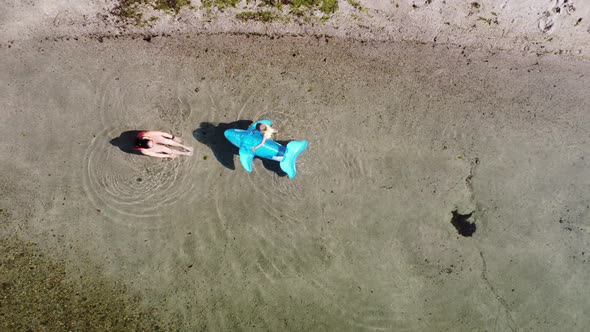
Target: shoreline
column 375, row 22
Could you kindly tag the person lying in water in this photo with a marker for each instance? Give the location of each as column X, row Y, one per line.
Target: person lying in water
column 266, row 132
column 158, row 143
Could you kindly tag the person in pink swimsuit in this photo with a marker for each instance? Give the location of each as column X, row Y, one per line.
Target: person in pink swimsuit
column 157, row 144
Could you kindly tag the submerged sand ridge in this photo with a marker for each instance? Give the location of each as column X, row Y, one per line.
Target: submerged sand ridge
column 401, row 135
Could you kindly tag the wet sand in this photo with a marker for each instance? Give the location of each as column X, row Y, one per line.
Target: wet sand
column 400, row 136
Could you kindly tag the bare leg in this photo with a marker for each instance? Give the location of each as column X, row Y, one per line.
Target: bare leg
column 174, row 143
column 174, row 153
column 159, row 154
column 184, row 153
column 163, row 151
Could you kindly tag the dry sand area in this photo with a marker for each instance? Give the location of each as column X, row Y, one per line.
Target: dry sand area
column 406, row 140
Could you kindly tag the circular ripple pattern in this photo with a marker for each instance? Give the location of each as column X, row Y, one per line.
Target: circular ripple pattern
column 270, row 214
column 132, row 189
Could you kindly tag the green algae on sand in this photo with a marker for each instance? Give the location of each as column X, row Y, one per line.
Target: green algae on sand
column 38, row 295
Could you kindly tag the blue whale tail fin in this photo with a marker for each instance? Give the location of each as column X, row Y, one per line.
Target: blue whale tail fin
column 291, row 153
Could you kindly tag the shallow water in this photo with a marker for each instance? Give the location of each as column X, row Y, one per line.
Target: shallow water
column 399, row 136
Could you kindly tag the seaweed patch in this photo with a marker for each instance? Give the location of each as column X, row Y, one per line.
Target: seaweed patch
column 462, row 224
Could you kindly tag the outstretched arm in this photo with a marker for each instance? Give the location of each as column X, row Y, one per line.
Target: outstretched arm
column 163, row 134
column 259, row 145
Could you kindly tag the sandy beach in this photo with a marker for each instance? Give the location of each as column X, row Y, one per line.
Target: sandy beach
column 445, row 188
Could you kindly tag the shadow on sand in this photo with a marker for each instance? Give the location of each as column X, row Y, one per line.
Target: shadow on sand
column 212, row 136
column 126, row 141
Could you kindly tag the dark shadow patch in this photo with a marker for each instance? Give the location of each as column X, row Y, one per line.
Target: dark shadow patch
column 462, row 224
column 126, row 141
column 212, row 136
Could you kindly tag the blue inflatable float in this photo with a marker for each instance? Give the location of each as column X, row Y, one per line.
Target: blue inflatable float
column 249, row 138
